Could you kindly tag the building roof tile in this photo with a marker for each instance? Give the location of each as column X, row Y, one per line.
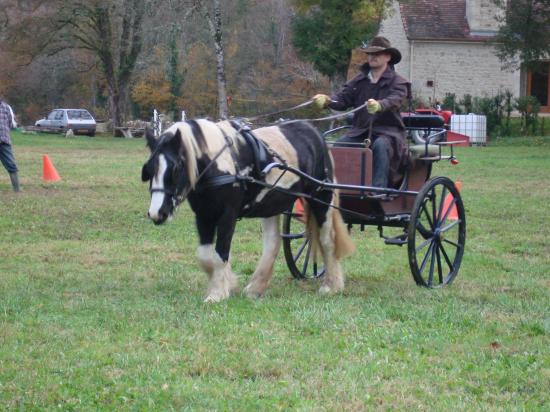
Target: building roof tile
column 437, row 20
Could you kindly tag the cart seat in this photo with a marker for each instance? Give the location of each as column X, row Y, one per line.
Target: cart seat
column 421, row 150
column 422, row 121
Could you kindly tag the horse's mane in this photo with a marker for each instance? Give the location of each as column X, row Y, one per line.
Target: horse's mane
column 213, row 142
column 191, row 150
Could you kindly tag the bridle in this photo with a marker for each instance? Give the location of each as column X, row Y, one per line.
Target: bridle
column 179, row 195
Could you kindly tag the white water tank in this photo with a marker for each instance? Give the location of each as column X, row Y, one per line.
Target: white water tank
column 472, row 125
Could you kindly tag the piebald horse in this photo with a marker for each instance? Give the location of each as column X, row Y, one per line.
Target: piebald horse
column 209, row 163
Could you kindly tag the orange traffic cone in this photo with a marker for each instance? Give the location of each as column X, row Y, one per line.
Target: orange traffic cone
column 453, row 214
column 299, row 209
column 49, row 174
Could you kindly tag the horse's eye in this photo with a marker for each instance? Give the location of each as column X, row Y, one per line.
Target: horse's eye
column 176, row 171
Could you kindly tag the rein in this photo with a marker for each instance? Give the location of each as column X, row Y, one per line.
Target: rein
column 178, row 198
column 321, row 119
column 290, row 109
column 305, row 104
column 318, row 119
column 181, row 196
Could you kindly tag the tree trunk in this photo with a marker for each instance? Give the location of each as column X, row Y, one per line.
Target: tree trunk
column 215, row 26
column 337, row 81
column 114, row 108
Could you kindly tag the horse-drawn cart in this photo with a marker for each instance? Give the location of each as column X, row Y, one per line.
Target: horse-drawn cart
column 429, row 210
column 277, row 166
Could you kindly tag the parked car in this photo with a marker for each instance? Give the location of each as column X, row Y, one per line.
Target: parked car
column 79, row 120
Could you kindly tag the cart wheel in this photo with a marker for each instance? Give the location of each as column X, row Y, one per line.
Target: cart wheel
column 297, row 247
column 437, row 233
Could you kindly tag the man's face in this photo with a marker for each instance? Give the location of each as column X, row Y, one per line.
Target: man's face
column 378, row 60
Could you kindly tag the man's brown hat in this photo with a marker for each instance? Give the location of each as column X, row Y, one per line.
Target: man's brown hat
column 381, row 44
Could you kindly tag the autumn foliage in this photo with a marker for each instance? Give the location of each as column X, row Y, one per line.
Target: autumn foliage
column 175, row 66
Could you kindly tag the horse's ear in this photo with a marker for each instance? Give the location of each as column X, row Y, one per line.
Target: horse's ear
column 176, row 143
column 150, row 137
column 146, row 173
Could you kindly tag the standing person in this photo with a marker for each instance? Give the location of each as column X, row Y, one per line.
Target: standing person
column 7, row 122
column 384, row 91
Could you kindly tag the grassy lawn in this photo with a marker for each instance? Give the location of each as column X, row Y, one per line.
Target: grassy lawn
column 102, row 310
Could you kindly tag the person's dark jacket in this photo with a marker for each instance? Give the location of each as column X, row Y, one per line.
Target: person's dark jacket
column 390, row 91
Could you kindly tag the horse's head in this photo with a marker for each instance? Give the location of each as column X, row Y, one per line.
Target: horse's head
column 171, row 172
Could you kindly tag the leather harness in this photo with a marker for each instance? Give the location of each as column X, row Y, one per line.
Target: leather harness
column 262, row 155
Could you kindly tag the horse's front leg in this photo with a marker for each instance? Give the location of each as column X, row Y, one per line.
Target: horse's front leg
column 222, row 279
column 205, row 252
column 264, row 272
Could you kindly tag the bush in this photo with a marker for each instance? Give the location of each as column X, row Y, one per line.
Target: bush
column 529, row 107
column 467, row 103
column 450, row 103
column 498, row 110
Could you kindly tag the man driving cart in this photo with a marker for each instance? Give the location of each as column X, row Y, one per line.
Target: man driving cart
column 384, row 91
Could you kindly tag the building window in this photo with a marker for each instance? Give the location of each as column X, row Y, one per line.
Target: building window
column 430, row 83
column 538, row 85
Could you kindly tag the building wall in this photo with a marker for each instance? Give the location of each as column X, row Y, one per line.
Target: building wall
column 392, row 28
column 452, row 67
column 460, row 68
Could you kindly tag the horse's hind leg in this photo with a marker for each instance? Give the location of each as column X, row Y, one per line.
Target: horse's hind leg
column 333, row 280
column 271, row 244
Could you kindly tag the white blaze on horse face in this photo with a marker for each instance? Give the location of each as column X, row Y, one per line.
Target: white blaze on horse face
column 157, row 198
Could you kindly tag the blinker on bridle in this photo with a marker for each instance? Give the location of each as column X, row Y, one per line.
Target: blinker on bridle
column 173, row 194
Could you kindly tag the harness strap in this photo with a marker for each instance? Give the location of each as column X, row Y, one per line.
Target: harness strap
column 217, row 181
column 262, row 154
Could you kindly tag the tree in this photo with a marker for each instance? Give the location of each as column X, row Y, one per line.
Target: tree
column 111, row 31
column 213, row 18
column 152, row 91
column 326, row 32
column 524, row 37
column 175, row 75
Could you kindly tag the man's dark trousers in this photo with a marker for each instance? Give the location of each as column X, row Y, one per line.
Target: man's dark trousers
column 381, row 155
column 7, row 159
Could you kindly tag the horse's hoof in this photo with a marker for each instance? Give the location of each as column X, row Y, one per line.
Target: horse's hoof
column 325, row 290
column 251, row 293
column 213, row 299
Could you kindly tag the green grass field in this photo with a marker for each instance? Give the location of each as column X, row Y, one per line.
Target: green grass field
column 102, row 310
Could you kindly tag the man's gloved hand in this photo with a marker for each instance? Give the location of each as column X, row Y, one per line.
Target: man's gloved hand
column 321, row 100
column 373, row 106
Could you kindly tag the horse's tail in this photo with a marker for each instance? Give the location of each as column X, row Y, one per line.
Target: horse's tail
column 343, row 243
column 312, row 230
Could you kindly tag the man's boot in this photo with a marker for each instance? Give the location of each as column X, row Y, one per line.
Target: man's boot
column 15, row 181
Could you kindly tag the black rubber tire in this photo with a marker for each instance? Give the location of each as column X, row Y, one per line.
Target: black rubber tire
column 436, row 239
column 297, row 248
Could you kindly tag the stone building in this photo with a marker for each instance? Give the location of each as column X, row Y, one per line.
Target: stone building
column 448, row 47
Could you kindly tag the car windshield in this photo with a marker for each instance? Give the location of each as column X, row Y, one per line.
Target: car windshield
column 79, row 114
